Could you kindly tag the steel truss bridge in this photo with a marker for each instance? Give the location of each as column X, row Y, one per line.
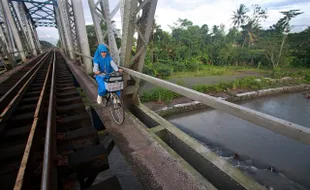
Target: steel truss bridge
column 42, row 113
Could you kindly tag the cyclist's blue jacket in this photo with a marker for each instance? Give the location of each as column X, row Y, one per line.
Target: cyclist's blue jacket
column 104, row 65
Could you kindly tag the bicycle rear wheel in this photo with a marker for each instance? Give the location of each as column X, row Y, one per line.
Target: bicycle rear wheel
column 117, row 109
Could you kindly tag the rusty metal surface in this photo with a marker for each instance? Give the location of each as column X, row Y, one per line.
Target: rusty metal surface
column 77, row 141
column 5, row 99
column 20, row 176
column 19, row 70
column 50, row 128
column 15, row 125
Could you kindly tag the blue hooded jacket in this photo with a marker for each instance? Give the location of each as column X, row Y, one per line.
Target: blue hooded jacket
column 104, row 63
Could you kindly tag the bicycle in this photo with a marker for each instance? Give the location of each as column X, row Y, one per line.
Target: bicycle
column 114, row 83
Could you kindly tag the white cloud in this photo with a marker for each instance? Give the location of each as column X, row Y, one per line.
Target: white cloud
column 48, row 34
column 211, row 12
column 220, row 11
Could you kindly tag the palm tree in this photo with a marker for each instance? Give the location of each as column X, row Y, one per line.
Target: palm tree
column 249, row 30
column 239, row 16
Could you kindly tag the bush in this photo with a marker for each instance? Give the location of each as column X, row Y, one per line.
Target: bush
column 200, row 88
column 278, row 73
column 193, row 66
column 212, row 88
column 178, row 66
column 211, row 70
column 248, row 82
column 149, row 70
column 157, row 70
column 163, row 70
column 159, row 94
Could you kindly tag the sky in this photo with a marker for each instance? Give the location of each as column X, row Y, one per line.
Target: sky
column 211, row 12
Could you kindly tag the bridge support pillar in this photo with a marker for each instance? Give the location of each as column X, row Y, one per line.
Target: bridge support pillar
column 60, row 30
column 96, row 21
column 140, row 18
column 72, row 23
column 111, row 31
column 25, row 24
column 127, row 32
column 144, row 25
column 64, row 22
column 101, row 13
column 7, row 13
column 82, row 34
column 5, row 41
column 36, row 38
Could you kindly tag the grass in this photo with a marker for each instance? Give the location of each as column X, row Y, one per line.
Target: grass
column 160, row 95
column 208, row 70
column 247, row 83
column 280, row 73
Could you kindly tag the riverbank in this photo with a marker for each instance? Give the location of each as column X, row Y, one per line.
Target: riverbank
column 178, row 104
column 209, row 76
column 307, row 94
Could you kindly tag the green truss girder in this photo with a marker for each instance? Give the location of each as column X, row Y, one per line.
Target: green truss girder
column 41, row 12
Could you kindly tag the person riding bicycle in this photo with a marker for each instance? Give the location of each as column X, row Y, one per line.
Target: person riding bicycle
column 103, row 65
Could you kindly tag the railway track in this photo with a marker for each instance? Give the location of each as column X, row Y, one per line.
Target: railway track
column 11, row 81
column 47, row 138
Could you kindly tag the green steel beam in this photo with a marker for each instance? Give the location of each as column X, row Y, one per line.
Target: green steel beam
column 47, row 2
column 40, row 12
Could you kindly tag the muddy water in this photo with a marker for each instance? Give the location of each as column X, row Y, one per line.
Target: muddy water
column 273, row 160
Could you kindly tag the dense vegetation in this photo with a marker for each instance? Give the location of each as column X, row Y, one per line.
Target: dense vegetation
column 46, row 45
column 192, row 48
column 189, row 46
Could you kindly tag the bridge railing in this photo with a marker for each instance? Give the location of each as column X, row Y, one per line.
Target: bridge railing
column 280, row 126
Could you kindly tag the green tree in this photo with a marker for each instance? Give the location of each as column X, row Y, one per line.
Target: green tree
column 249, row 24
column 299, row 44
column 275, row 41
column 45, row 44
column 239, row 16
column 58, row 44
column 283, row 25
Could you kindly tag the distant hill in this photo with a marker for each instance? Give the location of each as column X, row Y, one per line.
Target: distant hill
column 46, row 45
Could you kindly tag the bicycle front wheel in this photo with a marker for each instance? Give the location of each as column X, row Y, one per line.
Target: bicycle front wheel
column 117, row 109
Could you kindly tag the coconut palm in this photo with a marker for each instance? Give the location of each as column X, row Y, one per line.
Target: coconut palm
column 239, row 16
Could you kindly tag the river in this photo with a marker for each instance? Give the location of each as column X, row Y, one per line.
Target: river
column 273, row 160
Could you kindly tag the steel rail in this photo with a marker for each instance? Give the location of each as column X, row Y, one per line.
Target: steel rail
column 46, row 182
column 14, row 101
column 24, row 163
column 7, row 96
